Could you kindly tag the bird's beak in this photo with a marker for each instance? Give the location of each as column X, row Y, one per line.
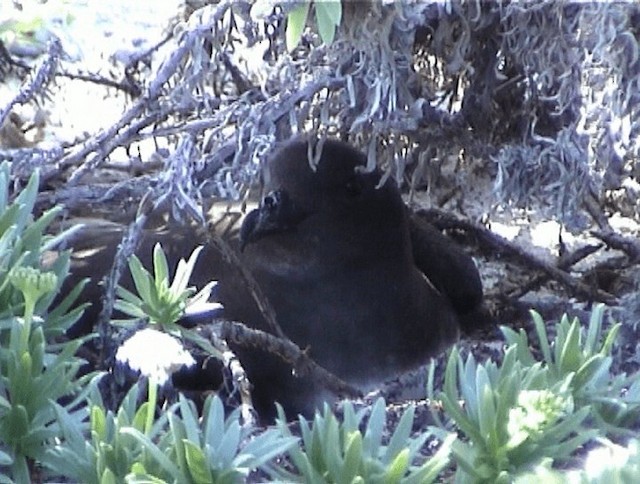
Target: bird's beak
column 276, row 213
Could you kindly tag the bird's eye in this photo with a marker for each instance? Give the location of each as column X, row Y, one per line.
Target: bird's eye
column 270, row 201
column 353, row 187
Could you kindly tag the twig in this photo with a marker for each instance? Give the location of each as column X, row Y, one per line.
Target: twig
column 564, row 262
column 495, row 242
column 303, row 364
column 43, row 76
column 243, row 84
column 149, row 203
column 258, row 296
column 128, row 87
column 629, row 246
column 115, row 201
column 126, row 248
column 594, row 208
column 5, row 56
column 143, row 56
column 109, row 139
column 240, row 380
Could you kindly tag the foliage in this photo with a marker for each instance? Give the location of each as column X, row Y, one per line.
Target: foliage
column 328, row 15
column 35, row 370
column 334, row 451
column 607, row 463
column 181, row 446
column 518, row 418
column 109, row 454
column 510, row 415
column 524, row 413
column 543, row 94
column 551, row 120
column 584, row 356
column 161, row 302
column 210, row 449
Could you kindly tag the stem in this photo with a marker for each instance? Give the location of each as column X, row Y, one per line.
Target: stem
column 152, row 391
column 29, row 306
column 152, row 386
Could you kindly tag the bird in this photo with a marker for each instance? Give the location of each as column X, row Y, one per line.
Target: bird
column 364, row 287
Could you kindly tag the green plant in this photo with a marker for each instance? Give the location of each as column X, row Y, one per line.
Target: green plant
column 35, row 371
column 571, row 351
column 210, row 449
column 328, row 16
column 584, row 356
column 511, row 417
column 607, row 463
column 109, row 455
column 339, row 452
column 163, row 303
column 156, row 299
column 180, row 446
column 524, row 413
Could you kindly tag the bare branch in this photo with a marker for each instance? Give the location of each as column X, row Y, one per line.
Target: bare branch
column 304, row 365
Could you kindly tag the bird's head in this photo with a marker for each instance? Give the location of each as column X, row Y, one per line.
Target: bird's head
column 336, row 201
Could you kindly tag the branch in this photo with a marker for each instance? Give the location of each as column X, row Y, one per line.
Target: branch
column 240, row 380
column 565, row 262
column 302, row 363
column 496, row 243
column 628, row 245
column 108, row 140
column 258, row 296
column 43, row 77
column 128, row 87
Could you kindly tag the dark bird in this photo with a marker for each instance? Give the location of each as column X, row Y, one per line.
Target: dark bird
column 367, row 289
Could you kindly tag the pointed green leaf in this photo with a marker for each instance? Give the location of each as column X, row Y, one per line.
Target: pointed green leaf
column 184, row 271
column 375, row 427
column 296, row 21
column 543, row 339
column 401, row 435
column 570, row 356
column 160, row 265
column 197, row 463
column 328, row 15
column 398, row 467
column 154, row 452
column 594, row 329
column 108, row 477
column 141, row 278
column 610, row 339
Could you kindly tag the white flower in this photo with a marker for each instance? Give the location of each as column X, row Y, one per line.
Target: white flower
column 155, row 354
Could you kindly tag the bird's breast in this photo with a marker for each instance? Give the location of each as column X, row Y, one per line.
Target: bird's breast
column 363, row 324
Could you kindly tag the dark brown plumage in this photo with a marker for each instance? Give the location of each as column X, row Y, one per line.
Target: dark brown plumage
column 368, row 289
